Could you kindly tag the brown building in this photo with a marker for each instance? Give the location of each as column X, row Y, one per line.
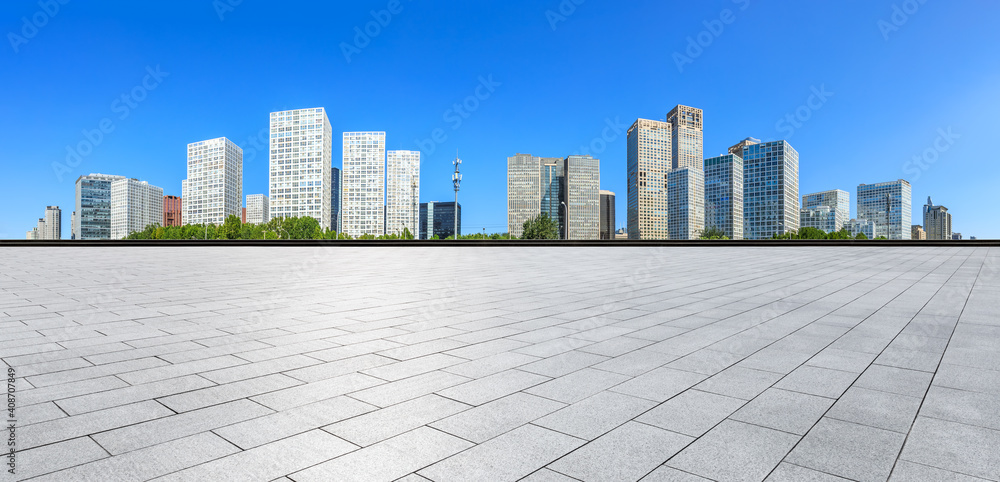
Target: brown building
column 243, row 218
column 172, row 211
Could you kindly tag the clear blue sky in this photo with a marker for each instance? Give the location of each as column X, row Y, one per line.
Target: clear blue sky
column 894, row 82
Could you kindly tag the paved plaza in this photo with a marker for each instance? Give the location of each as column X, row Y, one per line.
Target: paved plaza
column 503, row 363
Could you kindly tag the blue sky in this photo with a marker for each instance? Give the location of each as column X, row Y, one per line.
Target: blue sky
column 564, row 77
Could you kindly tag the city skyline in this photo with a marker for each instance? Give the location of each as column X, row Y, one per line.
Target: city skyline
column 148, row 143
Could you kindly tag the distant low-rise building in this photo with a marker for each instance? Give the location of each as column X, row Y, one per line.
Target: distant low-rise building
column 917, row 232
column 258, row 209
column 861, row 225
column 438, row 219
column 622, row 233
column 937, row 221
column 135, row 204
column 172, row 211
column 956, row 236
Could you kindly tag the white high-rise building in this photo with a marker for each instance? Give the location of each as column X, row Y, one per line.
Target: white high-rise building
column 213, row 189
column 258, row 211
column 888, row 205
column 583, row 197
column 72, row 225
column 134, row 205
column 362, row 201
column 53, row 223
column 402, row 192
column 301, row 158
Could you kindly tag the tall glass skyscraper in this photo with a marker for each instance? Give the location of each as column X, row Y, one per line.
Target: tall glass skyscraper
column 687, row 202
column 888, row 205
column 937, row 221
column 336, row 186
column 607, row 214
column 770, row 189
column 553, row 190
column 402, row 191
column 213, row 189
column 363, row 197
column 686, row 137
column 301, row 159
column 724, row 195
column 438, row 219
column 583, row 197
column 649, row 159
column 524, row 183
column 93, row 206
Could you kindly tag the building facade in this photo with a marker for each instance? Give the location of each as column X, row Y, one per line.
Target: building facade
column 524, row 183
column 686, row 137
column 134, row 205
column 72, row 225
column 53, row 223
column 336, row 187
column 258, row 209
column 583, row 198
column 649, row 160
column 438, row 219
column 937, row 221
column 862, row 226
column 93, row 206
column 300, row 162
column 402, row 191
column 553, row 190
column 724, row 194
column 823, row 218
column 685, row 187
column 956, row 236
column 737, row 149
column 607, row 214
column 917, row 232
column 888, row 205
column 770, row 189
column 213, row 189
column 363, row 196
column 172, row 211
column 837, row 200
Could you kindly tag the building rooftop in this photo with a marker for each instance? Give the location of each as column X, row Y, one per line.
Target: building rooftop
column 485, row 363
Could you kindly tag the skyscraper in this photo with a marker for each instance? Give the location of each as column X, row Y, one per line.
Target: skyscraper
column 134, row 205
column 438, row 219
column 685, row 188
column 770, row 189
column 524, row 183
column 553, row 190
column 649, row 159
column 72, row 225
column 837, row 200
column 53, row 223
column 607, row 214
column 583, row 186
column 737, row 149
column 888, row 205
column 93, row 206
column 213, row 189
column 724, row 195
column 172, row 209
column 300, row 163
column 258, row 209
column 402, row 193
column 686, row 137
column 363, row 196
column 336, row 187
column 823, row 218
column 937, row 221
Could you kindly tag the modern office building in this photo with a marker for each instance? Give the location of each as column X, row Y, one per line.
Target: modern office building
column 258, row 209
column 937, row 221
column 621, row 234
column 686, row 137
column 72, row 225
column 837, row 200
column 172, row 211
column 402, row 191
column 956, row 236
column 336, row 187
column 134, row 205
column 32, row 234
column 524, row 185
column 438, row 219
column 300, row 162
column 553, row 190
column 93, row 206
column 213, row 189
column 770, row 189
column 724, row 194
column 53, row 223
column 607, row 214
column 583, row 198
column 363, row 196
column 649, row 160
column 888, row 205
column 737, row 149
column 823, row 218
column 685, row 188
column 917, row 232
column 861, row 225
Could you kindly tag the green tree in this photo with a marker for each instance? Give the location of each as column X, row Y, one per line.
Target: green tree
column 712, row 233
column 861, row 236
column 231, row 228
column 540, row 227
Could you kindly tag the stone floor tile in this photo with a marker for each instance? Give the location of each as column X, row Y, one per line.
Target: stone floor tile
column 848, row 450
column 494, row 418
column 625, row 453
column 589, row 418
column 735, row 451
column 693, row 412
column 784, row 410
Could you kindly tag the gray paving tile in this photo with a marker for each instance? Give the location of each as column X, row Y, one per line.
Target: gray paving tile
column 954, row 447
column 89, row 423
column 51, row 458
column 625, row 453
column 636, row 362
column 547, row 475
column 577, row 385
column 784, row 410
column 278, row 425
column 595, row 415
column 490, row 364
column 735, row 451
column 848, row 450
column 972, row 408
column 665, row 473
column 215, row 395
column 693, row 412
column 563, row 364
column 895, row 380
column 491, row 419
column 823, row 382
column 132, row 394
column 492, row 387
column 739, row 382
column 786, row 472
column 906, row 471
column 877, row 409
column 297, row 395
column 660, row 384
column 400, row 391
column 376, row 426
